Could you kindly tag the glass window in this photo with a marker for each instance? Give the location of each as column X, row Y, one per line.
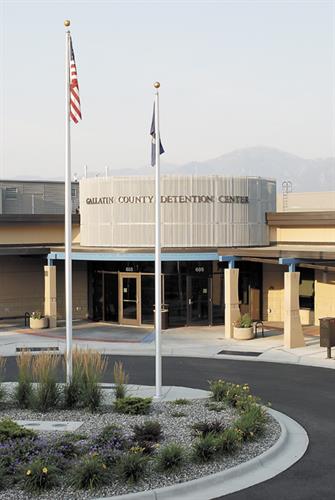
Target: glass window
column 11, row 193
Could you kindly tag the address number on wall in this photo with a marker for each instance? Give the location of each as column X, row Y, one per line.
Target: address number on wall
column 199, row 269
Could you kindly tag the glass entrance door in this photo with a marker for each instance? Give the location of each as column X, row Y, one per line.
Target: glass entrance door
column 130, row 299
column 199, row 299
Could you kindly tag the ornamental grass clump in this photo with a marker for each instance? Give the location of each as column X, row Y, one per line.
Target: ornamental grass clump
column 24, row 389
column 252, row 422
column 90, row 473
column 46, row 394
column 203, row 428
column 205, row 448
column 170, row 458
column 149, row 431
column 120, row 380
column 229, row 441
column 39, row 476
column 132, row 465
column 218, row 389
column 2, row 372
column 112, row 436
column 94, row 366
column 73, row 389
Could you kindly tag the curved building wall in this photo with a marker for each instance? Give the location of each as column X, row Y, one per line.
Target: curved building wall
column 197, row 211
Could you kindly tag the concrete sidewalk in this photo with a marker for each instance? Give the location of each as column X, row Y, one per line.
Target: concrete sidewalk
column 202, row 341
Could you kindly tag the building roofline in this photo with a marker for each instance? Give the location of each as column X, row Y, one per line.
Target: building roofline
column 36, row 218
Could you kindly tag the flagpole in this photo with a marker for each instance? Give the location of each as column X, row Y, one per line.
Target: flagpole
column 158, row 299
column 68, row 213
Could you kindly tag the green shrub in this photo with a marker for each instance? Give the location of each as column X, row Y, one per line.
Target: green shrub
column 170, row 458
column 133, row 405
column 111, row 435
column 120, row 380
column 131, row 466
column 3, row 478
column 229, row 441
column 39, row 476
column 11, row 430
column 205, row 448
column 90, row 473
column 178, row 414
column 204, row 428
column 150, row 431
column 252, row 422
column 24, row 389
column 44, row 368
column 217, row 407
column 181, row 402
column 218, row 389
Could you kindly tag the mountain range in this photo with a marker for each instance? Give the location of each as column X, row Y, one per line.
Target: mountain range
column 305, row 174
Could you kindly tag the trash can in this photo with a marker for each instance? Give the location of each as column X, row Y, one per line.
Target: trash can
column 164, row 317
column 327, row 334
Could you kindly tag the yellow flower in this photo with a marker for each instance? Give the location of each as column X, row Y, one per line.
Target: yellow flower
column 251, row 433
column 104, row 466
column 28, row 472
column 45, row 470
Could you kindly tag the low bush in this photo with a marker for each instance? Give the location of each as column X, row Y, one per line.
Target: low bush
column 40, row 476
column 133, row 405
column 120, row 380
column 217, row 407
column 181, row 402
column 150, row 431
column 170, row 458
column 131, row 466
column 24, row 389
column 112, row 436
column 229, row 441
column 11, row 430
column 178, row 414
column 205, row 448
column 44, row 368
column 218, row 389
column 252, row 422
column 90, row 473
column 204, row 428
column 3, row 478
column 15, row 452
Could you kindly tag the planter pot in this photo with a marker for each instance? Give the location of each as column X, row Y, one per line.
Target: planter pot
column 243, row 333
column 38, row 324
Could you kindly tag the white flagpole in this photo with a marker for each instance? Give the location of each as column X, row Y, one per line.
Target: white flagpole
column 158, row 299
column 68, row 213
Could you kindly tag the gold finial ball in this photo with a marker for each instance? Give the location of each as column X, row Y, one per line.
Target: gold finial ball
column 157, row 85
column 67, row 23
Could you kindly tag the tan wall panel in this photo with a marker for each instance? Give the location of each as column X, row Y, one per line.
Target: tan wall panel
column 79, row 292
column 21, row 285
column 324, row 295
column 18, row 234
column 298, row 234
column 305, row 202
column 273, row 292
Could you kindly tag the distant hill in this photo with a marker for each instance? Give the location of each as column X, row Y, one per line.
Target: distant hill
column 305, row 174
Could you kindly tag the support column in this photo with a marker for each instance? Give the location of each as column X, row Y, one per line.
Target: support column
column 50, row 297
column 232, row 310
column 293, row 335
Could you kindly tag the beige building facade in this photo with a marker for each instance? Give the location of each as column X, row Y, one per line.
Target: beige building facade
column 282, row 270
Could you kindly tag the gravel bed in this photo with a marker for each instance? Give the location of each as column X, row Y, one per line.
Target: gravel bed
column 175, row 429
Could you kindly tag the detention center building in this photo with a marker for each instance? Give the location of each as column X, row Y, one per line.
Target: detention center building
column 226, row 250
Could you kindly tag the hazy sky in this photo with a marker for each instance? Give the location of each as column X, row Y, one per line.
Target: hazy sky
column 233, row 75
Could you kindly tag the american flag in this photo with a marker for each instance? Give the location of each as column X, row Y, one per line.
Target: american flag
column 75, row 112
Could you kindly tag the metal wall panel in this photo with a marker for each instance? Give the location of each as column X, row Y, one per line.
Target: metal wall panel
column 119, row 211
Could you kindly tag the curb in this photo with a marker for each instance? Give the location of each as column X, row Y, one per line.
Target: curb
column 290, row 447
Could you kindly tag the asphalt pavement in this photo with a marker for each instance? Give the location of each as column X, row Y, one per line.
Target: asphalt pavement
column 307, row 394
